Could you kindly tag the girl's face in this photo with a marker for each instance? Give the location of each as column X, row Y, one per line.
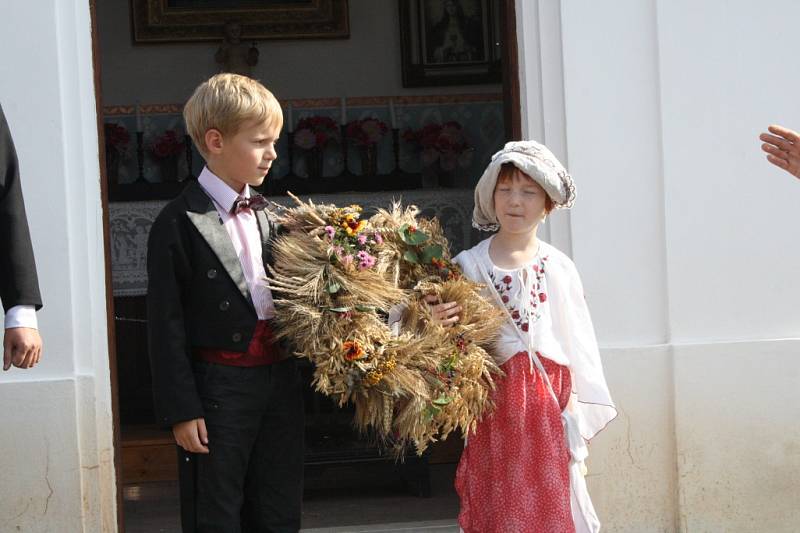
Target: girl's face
column 519, row 203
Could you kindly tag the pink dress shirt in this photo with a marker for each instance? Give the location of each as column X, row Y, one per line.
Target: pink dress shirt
column 246, row 238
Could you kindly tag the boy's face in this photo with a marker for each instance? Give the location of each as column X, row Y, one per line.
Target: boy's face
column 519, row 203
column 245, row 157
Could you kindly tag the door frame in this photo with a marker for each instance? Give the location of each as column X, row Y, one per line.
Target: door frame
column 110, row 327
column 513, row 131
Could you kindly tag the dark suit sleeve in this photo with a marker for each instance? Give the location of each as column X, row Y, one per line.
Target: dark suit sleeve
column 18, row 282
column 169, row 271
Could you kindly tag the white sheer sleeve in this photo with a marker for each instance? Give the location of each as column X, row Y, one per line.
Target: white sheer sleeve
column 573, row 327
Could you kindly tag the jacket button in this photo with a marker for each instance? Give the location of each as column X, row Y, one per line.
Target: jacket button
column 236, row 337
column 212, row 273
column 224, row 305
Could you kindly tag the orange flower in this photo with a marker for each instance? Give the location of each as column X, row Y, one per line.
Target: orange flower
column 438, row 263
column 353, row 350
column 352, row 225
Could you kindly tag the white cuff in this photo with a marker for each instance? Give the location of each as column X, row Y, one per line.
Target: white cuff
column 21, row 316
column 395, row 318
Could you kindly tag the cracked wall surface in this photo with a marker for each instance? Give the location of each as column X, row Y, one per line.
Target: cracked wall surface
column 40, row 490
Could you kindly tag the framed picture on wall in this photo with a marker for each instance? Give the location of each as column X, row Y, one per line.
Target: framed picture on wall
column 450, row 42
column 203, row 20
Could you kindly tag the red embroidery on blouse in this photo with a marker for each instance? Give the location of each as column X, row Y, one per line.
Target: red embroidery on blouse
column 504, row 287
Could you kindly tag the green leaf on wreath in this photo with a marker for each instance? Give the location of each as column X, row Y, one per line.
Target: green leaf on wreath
column 365, row 308
column 430, row 412
column 334, row 287
column 449, row 364
column 442, row 400
column 340, row 309
column 411, row 256
column 411, row 235
column 433, row 251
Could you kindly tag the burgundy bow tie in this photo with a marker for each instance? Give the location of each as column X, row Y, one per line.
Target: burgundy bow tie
column 255, row 202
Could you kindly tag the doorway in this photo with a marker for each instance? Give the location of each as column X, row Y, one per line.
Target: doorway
column 133, row 117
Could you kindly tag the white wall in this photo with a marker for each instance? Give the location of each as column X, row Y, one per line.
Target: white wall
column 56, row 443
column 686, row 239
column 366, row 64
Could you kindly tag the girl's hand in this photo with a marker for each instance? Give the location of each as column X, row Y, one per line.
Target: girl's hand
column 444, row 314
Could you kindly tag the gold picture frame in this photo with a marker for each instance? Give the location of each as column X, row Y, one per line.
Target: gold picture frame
column 161, row 21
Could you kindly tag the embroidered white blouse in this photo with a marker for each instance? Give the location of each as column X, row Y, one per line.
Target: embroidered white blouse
column 548, row 314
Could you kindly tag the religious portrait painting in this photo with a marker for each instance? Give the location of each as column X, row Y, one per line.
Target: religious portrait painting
column 455, row 31
column 450, row 42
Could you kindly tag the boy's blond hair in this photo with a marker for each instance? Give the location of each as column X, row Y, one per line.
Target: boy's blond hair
column 225, row 102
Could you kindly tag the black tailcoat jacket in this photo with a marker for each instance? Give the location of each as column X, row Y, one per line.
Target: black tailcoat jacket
column 197, row 297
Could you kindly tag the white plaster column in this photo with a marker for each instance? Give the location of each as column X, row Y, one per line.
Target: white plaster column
column 56, row 444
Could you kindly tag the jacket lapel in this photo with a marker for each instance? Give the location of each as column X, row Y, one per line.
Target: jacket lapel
column 203, row 214
column 264, row 226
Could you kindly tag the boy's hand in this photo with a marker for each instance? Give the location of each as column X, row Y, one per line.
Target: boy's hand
column 22, row 347
column 191, row 435
column 782, row 148
column 444, row 314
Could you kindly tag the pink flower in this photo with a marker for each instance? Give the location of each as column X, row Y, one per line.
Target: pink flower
column 378, row 238
column 362, row 239
column 330, row 231
column 542, row 297
column 365, row 260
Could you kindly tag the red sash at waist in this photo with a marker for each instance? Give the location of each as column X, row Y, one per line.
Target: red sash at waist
column 262, row 350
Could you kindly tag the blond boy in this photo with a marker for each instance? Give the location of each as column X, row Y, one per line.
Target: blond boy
column 231, row 394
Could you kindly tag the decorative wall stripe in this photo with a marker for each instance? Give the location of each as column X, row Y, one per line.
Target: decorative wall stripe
column 310, row 103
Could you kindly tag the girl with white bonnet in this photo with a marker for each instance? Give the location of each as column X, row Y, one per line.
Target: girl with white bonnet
column 522, row 470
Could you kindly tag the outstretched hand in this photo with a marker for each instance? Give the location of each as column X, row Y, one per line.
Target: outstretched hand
column 782, row 146
column 22, row 347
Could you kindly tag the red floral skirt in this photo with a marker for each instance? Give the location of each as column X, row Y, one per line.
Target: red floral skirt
column 513, row 476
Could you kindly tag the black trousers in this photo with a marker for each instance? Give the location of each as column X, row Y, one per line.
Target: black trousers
column 252, row 479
